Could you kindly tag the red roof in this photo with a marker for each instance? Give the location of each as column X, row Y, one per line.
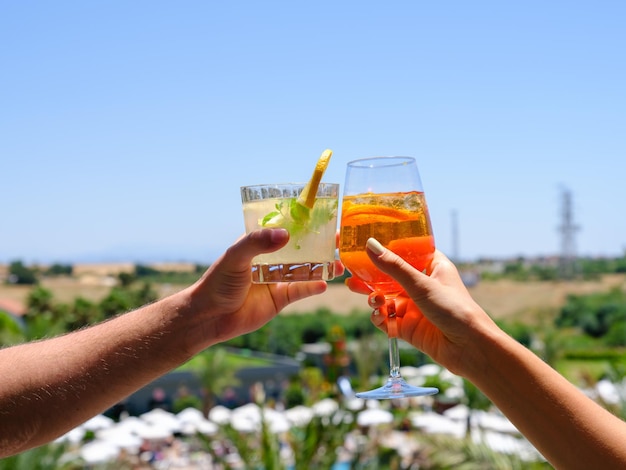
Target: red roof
column 12, row 306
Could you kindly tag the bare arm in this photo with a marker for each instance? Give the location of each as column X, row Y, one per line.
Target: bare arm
column 50, row 386
column 441, row 319
column 567, row 427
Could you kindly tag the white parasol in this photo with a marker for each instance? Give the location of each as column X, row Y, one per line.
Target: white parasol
column 97, row 422
column 96, row 452
column 220, row 414
column 434, row 423
column 193, row 421
column 325, row 407
column 374, row 417
column 299, row 415
column 162, row 419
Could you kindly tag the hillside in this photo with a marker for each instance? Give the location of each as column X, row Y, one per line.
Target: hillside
column 501, row 299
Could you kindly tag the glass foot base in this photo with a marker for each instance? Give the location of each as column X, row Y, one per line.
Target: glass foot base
column 397, row 388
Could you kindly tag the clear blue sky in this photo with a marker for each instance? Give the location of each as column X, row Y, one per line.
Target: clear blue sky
column 127, row 128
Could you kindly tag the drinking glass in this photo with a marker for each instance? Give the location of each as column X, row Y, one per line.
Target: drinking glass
column 310, row 253
column 383, row 198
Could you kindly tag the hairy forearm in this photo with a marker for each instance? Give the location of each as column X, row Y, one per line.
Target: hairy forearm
column 50, row 386
column 551, row 412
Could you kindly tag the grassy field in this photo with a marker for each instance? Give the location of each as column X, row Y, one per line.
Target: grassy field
column 523, row 300
column 504, row 299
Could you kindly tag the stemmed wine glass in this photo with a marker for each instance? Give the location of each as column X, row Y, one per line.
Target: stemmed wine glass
column 383, row 198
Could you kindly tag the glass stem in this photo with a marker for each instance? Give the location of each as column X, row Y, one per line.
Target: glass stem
column 392, row 333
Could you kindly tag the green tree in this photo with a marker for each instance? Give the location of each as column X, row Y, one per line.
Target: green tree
column 21, row 274
column 593, row 313
column 40, row 301
column 141, row 270
column 82, row 313
column 42, row 326
column 10, row 330
column 314, row 328
column 522, row 332
column 58, row 269
column 47, row 457
column 616, row 336
column 126, row 279
column 145, row 294
column 123, row 299
column 368, row 357
column 516, row 270
column 552, row 347
column 43, row 316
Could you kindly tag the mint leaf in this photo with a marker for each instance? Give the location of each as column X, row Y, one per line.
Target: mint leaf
column 269, row 217
column 299, row 219
column 299, row 213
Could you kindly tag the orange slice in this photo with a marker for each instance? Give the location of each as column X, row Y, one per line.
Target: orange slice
column 357, row 214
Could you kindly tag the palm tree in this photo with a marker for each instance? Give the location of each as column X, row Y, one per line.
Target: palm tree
column 216, row 374
column 475, row 400
column 368, row 357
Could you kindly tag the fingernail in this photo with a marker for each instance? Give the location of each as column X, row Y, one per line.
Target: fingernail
column 374, row 246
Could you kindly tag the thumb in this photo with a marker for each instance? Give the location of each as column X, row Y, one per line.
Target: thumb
column 254, row 243
column 413, row 281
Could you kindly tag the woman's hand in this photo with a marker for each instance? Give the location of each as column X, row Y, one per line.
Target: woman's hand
column 436, row 314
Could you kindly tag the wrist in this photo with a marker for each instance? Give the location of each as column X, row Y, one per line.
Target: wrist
column 482, row 342
column 196, row 322
column 488, row 360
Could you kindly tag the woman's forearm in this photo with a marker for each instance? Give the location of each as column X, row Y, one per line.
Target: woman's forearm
column 550, row 411
column 566, row 426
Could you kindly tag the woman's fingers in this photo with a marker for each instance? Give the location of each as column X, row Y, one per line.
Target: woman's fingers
column 376, row 300
column 356, row 285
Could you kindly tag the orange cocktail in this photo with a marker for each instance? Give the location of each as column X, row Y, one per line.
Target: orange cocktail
column 400, row 221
